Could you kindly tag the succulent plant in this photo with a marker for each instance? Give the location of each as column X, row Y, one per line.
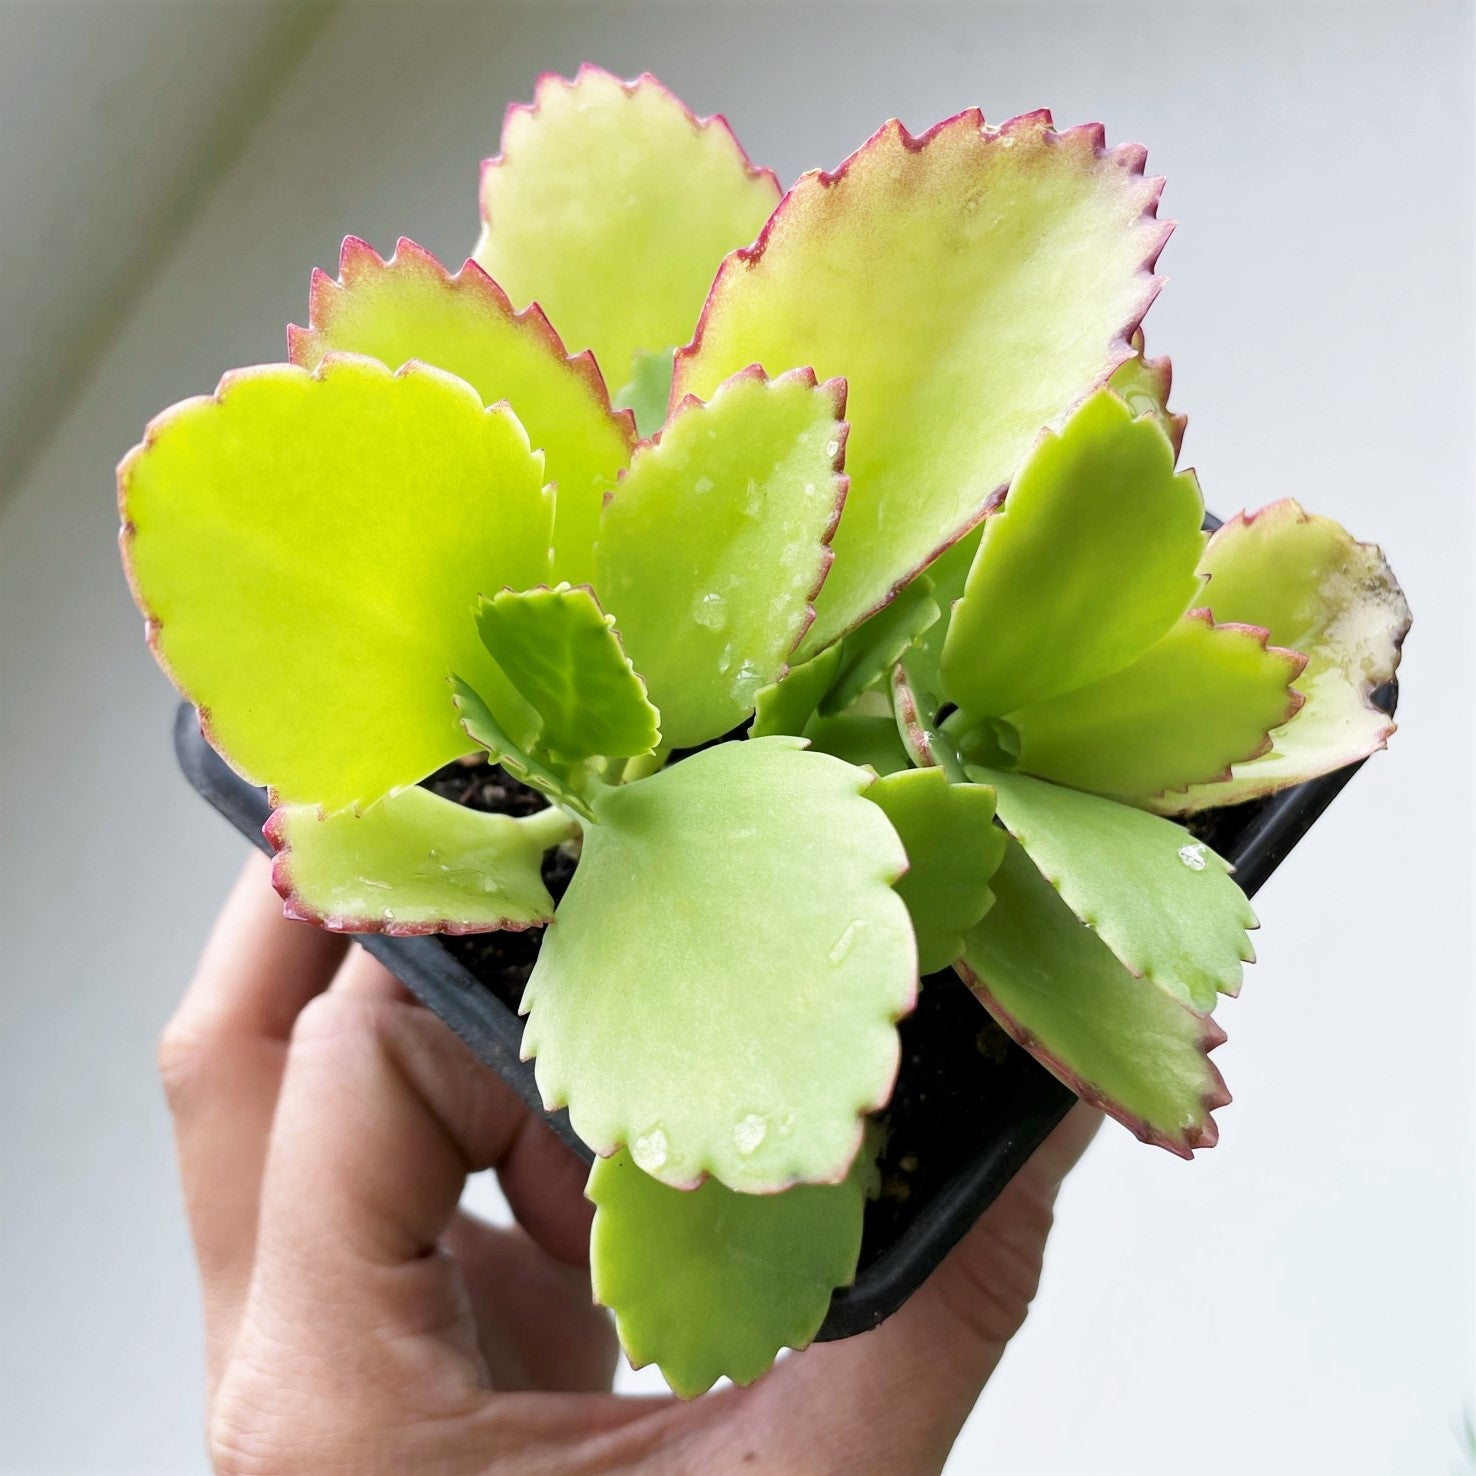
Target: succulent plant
column 870, row 635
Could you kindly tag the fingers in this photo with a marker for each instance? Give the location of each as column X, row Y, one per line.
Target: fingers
column 541, row 1178
column 545, row 1331
column 897, row 1397
column 382, row 1115
column 221, row 1060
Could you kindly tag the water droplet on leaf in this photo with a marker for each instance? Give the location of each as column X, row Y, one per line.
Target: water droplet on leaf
column 710, row 611
column 846, row 942
column 749, row 1132
column 650, row 1150
column 1192, row 856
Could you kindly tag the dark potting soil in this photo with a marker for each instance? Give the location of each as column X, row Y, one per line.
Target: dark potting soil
column 959, row 1070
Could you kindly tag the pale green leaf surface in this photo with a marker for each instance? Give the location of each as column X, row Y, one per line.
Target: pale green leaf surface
column 1089, row 560
column 720, row 986
column 953, row 848
column 875, row 646
column 648, row 393
column 710, row 1284
column 559, row 782
column 1116, row 1040
column 308, row 550
column 612, row 205
column 970, row 286
column 1201, row 699
column 1319, row 591
column 414, row 863
column 410, row 307
column 1162, row 901
column 712, row 547
column 787, row 705
column 859, row 738
column 561, row 652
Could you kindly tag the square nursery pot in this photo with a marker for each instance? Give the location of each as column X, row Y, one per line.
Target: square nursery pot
column 958, row 1127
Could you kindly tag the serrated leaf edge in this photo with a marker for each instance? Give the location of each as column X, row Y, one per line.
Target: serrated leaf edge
column 1087, row 139
column 358, row 259
column 835, row 388
column 1189, row 1137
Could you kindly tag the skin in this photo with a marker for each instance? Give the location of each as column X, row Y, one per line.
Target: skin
column 358, row 1323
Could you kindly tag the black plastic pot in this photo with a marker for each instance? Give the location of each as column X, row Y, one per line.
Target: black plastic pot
column 969, row 1107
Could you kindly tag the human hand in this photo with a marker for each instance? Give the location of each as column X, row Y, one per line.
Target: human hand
column 357, row 1322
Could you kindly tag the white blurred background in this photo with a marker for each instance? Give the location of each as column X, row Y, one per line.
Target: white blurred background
column 1300, row 1299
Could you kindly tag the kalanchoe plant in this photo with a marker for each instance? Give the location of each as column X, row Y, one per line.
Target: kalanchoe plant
column 872, row 637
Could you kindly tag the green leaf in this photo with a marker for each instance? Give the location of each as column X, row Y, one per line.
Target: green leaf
column 1089, row 560
column 712, row 547
column 831, row 682
column 562, row 783
column 1315, row 589
column 414, row 863
column 410, row 307
column 611, row 205
column 953, row 848
column 1116, row 1040
column 307, row 550
column 720, row 986
column 1145, row 384
column 561, row 652
column 649, row 391
column 971, row 285
column 864, row 739
column 787, row 705
column 1162, row 901
column 709, row 1284
column 1200, row 700
column 875, row 646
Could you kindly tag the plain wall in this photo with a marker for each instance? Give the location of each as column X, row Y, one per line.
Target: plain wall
column 1298, row 1300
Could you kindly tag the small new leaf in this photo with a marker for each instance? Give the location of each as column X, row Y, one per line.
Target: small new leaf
column 556, row 782
column 787, row 705
column 953, row 848
column 878, row 644
column 560, row 651
column 709, row 1284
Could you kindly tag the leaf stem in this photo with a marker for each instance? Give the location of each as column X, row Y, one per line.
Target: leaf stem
column 549, row 827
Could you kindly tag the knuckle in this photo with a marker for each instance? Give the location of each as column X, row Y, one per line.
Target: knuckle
column 182, row 1057
column 332, row 1016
